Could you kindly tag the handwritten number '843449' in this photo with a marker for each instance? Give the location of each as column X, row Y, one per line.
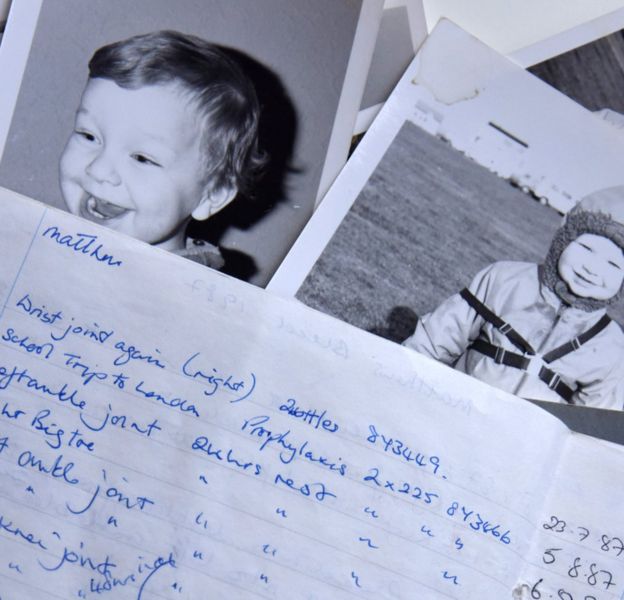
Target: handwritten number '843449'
column 400, row 449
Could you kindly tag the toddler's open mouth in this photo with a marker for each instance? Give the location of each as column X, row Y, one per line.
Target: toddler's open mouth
column 97, row 208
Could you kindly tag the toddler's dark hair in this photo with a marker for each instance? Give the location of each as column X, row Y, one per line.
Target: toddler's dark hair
column 223, row 95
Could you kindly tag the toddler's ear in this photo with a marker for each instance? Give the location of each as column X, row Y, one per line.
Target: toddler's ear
column 213, row 202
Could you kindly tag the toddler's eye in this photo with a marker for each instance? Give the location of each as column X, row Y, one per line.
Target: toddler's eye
column 86, row 135
column 144, row 160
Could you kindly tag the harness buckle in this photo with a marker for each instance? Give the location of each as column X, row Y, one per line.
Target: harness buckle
column 554, row 382
column 500, row 355
column 505, row 328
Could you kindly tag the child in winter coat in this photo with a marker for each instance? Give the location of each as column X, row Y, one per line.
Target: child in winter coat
column 541, row 331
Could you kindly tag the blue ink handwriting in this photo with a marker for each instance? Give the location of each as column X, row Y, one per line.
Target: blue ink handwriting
column 112, row 581
column 216, row 382
column 122, row 422
column 159, row 563
column 16, row 531
column 82, row 243
column 477, row 523
column 40, row 313
column 46, row 349
column 426, row 531
column 199, row 520
column 371, row 512
column 356, row 579
column 453, row 578
column 55, row 435
column 57, row 470
column 179, row 403
column 268, row 550
column 94, row 333
column 203, row 444
column 255, row 428
column 398, row 448
column 23, row 377
column 129, row 352
column 120, row 380
column 369, row 543
column 103, row 567
column 306, row 489
column 413, row 491
column 127, row 501
column 73, row 361
column 310, row 416
column 11, row 415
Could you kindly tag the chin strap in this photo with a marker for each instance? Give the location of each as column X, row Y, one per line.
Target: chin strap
column 529, row 361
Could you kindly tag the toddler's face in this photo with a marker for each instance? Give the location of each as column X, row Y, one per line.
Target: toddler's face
column 133, row 161
column 592, row 266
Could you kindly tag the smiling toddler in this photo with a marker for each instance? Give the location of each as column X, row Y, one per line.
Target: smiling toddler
column 541, row 331
column 166, row 130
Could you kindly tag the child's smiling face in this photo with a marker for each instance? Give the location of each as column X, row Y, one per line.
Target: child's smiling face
column 592, row 266
column 134, row 162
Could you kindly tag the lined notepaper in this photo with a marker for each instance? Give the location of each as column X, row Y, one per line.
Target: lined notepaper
column 168, row 432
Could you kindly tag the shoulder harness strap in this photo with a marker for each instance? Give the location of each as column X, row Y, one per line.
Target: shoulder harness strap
column 505, row 328
column 518, row 361
column 578, row 341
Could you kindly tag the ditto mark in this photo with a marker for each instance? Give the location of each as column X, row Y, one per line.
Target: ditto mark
column 452, row 578
column 427, row 531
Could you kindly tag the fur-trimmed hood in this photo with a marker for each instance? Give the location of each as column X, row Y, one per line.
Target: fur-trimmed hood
column 600, row 213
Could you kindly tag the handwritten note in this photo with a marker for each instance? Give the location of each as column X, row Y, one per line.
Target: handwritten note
column 168, row 432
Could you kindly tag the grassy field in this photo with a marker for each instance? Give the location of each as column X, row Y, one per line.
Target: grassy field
column 426, row 222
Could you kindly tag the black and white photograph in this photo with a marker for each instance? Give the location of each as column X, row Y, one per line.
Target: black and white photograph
column 430, row 219
column 307, row 299
column 227, row 130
